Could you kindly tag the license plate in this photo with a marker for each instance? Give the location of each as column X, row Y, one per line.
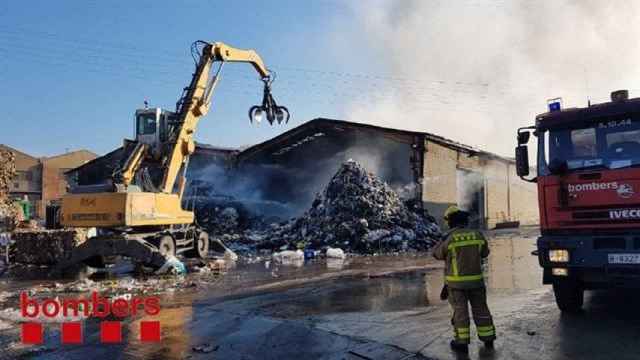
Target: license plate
column 624, row 258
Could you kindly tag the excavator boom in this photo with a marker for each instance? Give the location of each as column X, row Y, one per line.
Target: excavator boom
column 197, row 101
column 143, row 216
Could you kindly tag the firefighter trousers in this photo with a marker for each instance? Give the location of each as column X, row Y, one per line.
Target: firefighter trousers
column 477, row 297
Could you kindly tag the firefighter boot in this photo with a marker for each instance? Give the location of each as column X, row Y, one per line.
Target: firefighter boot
column 458, row 347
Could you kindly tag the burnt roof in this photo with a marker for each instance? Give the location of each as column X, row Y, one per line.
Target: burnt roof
column 315, row 127
column 571, row 116
column 298, row 135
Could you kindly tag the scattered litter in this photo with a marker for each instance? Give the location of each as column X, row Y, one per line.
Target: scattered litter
column 288, row 255
column 172, row 266
column 335, row 253
column 205, row 348
column 309, row 254
column 217, row 264
column 230, row 255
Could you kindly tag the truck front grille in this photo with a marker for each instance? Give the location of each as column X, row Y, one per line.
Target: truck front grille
column 608, row 243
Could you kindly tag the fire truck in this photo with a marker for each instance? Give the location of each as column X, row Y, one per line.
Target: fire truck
column 588, row 178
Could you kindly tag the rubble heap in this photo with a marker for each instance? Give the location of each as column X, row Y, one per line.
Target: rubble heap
column 7, row 174
column 217, row 219
column 44, row 247
column 356, row 212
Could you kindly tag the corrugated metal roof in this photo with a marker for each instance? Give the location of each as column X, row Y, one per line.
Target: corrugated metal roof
column 307, row 131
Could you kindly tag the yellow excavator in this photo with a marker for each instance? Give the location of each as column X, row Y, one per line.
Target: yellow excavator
column 139, row 214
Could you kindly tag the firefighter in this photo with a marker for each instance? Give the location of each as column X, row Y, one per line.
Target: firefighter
column 463, row 250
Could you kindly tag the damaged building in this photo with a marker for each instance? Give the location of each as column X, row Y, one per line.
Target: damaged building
column 281, row 176
column 426, row 170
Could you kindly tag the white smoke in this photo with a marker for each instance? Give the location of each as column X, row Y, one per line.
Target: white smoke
column 468, row 185
column 476, row 70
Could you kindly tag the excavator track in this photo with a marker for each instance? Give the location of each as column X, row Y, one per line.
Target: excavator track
column 120, row 245
column 151, row 250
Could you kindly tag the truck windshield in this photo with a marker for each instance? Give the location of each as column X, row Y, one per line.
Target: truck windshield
column 610, row 144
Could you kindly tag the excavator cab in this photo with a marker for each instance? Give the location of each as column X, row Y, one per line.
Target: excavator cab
column 154, row 125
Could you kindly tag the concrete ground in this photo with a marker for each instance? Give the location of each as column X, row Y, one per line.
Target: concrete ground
column 367, row 308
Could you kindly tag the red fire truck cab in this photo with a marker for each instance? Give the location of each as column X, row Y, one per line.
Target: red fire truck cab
column 588, row 177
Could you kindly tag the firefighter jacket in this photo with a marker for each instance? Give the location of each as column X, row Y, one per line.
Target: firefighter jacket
column 463, row 250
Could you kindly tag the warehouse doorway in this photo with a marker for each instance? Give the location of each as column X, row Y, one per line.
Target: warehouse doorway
column 470, row 189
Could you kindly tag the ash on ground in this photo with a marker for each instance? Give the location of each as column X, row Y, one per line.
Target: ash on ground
column 356, row 212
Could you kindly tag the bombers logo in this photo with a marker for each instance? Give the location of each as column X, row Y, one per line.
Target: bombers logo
column 594, row 186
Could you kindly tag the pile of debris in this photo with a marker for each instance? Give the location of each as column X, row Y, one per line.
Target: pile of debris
column 44, row 247
column 356, row 212
column 219, row 217
column 8, row 213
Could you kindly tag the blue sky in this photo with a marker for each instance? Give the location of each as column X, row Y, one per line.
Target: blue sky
column 73, row 72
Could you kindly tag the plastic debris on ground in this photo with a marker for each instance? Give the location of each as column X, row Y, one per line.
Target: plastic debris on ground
column 335, row 253
column 205, row 348
column 289, row 257
column 172, row 266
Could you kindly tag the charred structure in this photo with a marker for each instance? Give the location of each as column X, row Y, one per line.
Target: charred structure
column 280, row 178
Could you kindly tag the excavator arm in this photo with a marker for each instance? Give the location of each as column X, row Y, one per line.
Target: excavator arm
column 148, row 223
column 196, row 104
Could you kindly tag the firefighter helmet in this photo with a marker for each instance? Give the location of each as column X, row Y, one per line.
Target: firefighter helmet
column 450, row 211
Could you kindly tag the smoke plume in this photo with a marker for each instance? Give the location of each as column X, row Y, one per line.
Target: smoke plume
column 476, row 70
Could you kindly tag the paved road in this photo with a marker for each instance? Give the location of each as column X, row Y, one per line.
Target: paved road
column 380, row 309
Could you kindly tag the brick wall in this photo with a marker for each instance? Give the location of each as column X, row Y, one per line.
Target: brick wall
column 506, row 197
column 439, row 179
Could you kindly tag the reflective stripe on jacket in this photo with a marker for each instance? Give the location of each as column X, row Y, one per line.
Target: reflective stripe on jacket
column 463, row 251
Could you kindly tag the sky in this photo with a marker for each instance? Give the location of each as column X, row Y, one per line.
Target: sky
column 74, row 72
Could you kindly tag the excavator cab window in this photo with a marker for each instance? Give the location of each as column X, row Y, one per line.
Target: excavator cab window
column 146, row 124
column 168, row 122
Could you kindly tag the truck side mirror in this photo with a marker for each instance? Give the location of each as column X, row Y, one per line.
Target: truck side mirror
column 523, row 137
column 522, row 159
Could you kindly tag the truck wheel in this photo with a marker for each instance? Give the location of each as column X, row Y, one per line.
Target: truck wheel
column 166, row 246
column 569, row 295
column 200, row 246
column 95, row 262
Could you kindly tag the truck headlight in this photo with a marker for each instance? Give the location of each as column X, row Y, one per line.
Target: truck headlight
column 559, row 256
column 560, row 272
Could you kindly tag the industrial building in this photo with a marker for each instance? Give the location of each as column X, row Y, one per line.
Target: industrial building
column 428, row 171
column 41, row 180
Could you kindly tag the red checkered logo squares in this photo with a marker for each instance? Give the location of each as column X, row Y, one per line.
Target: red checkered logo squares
column 150, row 331
column 32, row 333
column 110, row 332
column 72, row 333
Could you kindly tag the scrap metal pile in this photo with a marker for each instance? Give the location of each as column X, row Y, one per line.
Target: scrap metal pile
column 8, row 213
column 45, row 247
column 356, row 212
